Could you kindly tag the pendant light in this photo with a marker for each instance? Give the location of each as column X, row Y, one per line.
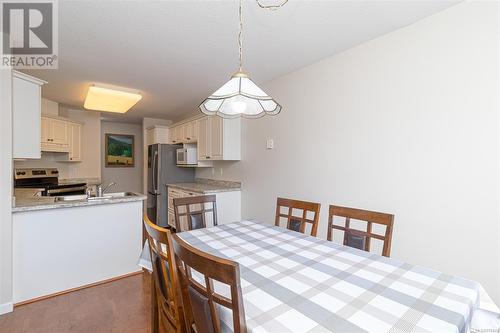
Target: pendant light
column 240, row 96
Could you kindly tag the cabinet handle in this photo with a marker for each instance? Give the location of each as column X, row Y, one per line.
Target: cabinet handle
column 208, row 157
column 188, row 138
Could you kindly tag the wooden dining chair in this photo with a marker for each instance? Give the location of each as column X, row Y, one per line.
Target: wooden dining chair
column 166, row 288
column 298, row 223
column 194, row 212
column 201, row 300
column 358, row 238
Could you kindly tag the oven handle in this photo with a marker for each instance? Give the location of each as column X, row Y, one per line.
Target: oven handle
column 64, row 190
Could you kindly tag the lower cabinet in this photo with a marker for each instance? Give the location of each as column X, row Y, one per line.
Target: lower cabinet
column 228, row 205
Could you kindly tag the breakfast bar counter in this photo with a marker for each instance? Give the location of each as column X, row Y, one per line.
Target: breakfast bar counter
column 43, row 203
column 66, row 245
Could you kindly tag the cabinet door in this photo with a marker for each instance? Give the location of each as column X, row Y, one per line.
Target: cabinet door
column 187, row 132
column 203, row 139
column 59, row 132
column 191, row 131
column 181, row 133
column 26, row 99
column 75, row 144
column 171, row 135
column 194, row 134
column 45, row 130
column 216, row 128
column 175, row 134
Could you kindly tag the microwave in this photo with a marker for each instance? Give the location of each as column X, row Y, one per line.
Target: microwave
column 187, row 156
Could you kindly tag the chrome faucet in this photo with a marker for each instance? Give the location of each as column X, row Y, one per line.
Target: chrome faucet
column 100, row 190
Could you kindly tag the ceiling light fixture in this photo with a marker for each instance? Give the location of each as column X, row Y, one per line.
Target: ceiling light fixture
column 240, row 96
column 110, row 99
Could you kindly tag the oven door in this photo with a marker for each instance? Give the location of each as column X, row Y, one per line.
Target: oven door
column 181, row 156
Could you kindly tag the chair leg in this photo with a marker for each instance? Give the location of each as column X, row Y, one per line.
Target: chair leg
column 155, row 324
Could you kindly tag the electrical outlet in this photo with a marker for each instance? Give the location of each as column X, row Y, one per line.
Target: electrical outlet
column 270, row 144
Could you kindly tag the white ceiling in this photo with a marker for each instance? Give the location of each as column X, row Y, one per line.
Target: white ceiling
column 178, row 52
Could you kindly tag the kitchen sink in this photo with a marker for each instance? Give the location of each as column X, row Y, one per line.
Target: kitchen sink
column 105, row 197
column 119, row 195
column 66, row 198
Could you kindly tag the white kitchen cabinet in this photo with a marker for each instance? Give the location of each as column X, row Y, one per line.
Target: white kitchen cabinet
column 219, row 139
column 203, row 139
column 176, row 134
column 191, row 132
column 216, row 137
column 157, row 134
column 26, row 110
column 75, row 142
column 55, row 135
column 59, row 132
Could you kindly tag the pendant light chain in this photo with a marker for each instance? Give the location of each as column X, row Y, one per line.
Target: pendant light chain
column 240, row 35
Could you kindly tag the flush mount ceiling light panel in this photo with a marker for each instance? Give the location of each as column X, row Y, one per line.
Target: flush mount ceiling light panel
column 240, row 96
column 110, row 99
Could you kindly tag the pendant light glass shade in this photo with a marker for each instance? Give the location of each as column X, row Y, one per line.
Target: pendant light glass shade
column 240, row 97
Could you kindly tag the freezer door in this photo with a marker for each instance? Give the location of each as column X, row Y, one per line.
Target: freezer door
column 153, row 177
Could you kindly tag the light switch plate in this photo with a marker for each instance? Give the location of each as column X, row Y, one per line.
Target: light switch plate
column 270, row 144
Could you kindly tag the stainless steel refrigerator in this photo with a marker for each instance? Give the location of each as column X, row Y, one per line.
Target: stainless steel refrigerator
column 162, row 170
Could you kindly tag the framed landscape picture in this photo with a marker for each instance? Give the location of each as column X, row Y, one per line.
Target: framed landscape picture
column 119, row 150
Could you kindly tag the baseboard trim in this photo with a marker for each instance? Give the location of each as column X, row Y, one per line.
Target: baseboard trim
column 6, row 308
column 76, row 289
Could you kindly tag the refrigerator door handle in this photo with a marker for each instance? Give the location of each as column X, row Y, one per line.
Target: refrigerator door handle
column 154, row 175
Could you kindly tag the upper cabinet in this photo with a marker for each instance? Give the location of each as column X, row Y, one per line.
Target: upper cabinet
column 216, row 138
column 55, row 135
column 184, row 133
column 62, row 135
column 157, row 134
column 191, row 131
column 219, row 139
column 75, row 142
column 26, row 110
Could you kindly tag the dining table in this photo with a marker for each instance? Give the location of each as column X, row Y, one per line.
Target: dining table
column 292, row 282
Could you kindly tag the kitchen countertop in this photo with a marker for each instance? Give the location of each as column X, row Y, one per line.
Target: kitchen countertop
column 208, row 186
column 42, row 203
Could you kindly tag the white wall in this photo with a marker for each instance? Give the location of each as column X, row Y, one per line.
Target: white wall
column 407, row 123
column 127, row 179
column 90, row 167
column 5, row 190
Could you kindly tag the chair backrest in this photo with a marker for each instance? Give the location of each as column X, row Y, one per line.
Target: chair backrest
column 204, row 301
column 358, row 238
column 167, row 287
column 194, row 212
column 298, row 223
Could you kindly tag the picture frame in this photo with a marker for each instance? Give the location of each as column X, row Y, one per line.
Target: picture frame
column 119, row 151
